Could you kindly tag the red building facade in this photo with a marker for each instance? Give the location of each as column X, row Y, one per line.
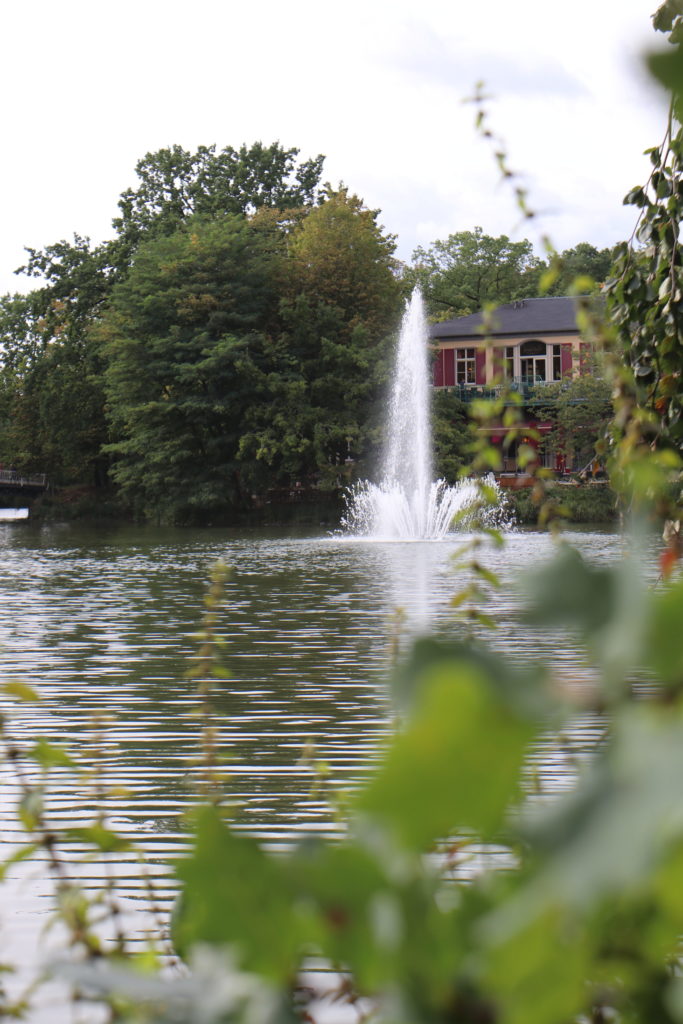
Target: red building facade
column 528, row 343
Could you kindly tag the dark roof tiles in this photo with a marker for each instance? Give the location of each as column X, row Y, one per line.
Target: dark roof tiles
column 552, row 315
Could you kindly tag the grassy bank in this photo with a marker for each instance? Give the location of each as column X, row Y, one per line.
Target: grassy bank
column 306, row 508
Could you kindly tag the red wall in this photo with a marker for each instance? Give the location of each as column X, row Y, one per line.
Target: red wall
column 449, row 367
column 480, row 365
column 438, row 369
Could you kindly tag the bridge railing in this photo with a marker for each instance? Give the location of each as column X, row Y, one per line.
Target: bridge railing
column 14, row 479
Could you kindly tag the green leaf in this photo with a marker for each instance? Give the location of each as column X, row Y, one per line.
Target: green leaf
column 22, row 853
column 491, row 457
column 483, row 619
column 236, row 894
column 664, row 650
column 548, row 278
column 610, row 833
column 495, row 535
column 636, row 197
column 486, row 574
column 456, row 764
column 664, row 16
column 526, row 455
column 581, row 285
column 539, row 974
column 359, row 909
column 664, row 288
column 103, row 839
column 570, row 592
column 48, row 755
column 20, row 690
column 491, row 495
column 667, row 68
column 30, row 808
column 219, row 672
column 607, row 605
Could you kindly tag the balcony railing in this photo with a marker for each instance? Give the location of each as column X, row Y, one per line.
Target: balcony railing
column 11, row 478
column 524, row 386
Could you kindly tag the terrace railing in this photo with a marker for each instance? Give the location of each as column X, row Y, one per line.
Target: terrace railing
column 524, row 386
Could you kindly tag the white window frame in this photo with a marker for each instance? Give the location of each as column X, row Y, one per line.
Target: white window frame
column 467, row 359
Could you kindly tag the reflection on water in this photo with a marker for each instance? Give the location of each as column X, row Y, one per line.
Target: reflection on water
column 103, row 621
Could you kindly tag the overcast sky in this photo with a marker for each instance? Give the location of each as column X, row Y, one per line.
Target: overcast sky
column 90, row 86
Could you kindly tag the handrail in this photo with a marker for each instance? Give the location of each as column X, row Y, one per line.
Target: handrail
column 11, row 476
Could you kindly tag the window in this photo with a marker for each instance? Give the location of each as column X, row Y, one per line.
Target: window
column 532, row 363
column 557, row 362
column 465, row 366
column 509, row 362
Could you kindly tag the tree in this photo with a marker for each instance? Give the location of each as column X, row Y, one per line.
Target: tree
column 460, row 274
column 340, row 302
column 451, row 434
column 51, row 397
column 580, row 411
column 182, row 337
column 176, row 185
column 52, row 371
column 645, row 290
column 22, row 347
column 582, row 261
column 342, row 256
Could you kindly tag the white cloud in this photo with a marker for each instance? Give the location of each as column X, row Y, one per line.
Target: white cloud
column 375, row 84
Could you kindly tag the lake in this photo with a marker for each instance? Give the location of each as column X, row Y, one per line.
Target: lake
column 102, row 620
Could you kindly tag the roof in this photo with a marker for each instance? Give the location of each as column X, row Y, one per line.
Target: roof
column 551, row 315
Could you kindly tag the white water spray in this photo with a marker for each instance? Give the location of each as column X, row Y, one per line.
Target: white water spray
column 408, row 504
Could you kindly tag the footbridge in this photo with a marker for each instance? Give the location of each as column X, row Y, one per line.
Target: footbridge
column 22, row 484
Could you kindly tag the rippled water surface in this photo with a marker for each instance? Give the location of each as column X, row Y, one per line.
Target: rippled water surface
column 102, row 621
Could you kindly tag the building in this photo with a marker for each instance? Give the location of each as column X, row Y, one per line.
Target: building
column 530, row 342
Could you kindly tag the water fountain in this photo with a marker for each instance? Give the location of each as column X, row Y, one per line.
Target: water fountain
column 408, row 504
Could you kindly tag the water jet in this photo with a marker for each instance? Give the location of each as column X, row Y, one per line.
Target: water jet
column 408, row 504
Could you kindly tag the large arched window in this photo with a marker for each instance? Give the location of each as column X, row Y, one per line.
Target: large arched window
column 533, row 361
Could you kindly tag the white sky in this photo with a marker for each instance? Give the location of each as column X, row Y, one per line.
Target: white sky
column 90, row 86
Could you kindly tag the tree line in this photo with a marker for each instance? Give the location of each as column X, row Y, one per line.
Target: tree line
column 234, row 336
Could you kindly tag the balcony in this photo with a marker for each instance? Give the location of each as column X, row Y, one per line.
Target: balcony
column 526, row 387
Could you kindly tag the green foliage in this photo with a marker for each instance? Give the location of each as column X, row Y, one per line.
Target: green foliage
column 342, row 256
column 451, row 435
column 665, row 17
column 327, row 365
column 582, row 263
column 259, row 916
column 368, row 902
column 469, row 269
column 430, row 781
column 176, row 185
column 572, row 909
column 583, row 503
column 232, row 339
column 182, row 339
column 580, row 413
column 584, row 925
column 645, row 291
column 51, row 400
